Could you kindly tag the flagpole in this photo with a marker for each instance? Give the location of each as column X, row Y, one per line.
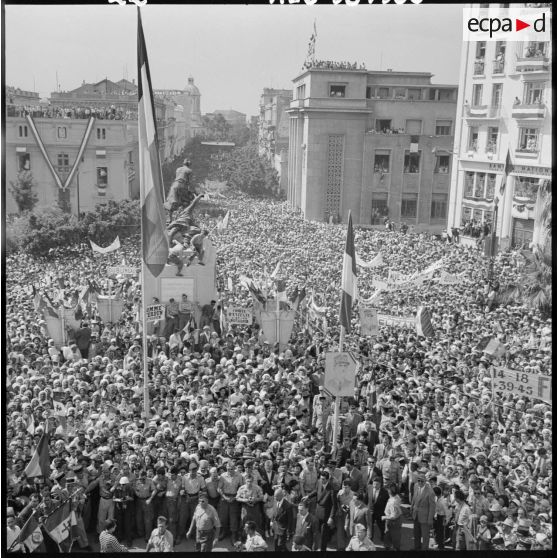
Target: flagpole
column 146, row 405
column 337, row 400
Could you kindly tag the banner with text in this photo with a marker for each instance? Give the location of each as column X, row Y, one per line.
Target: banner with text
column 396, row 321
column 240, row 316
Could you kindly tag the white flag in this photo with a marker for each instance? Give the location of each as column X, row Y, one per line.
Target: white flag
column 111, row 248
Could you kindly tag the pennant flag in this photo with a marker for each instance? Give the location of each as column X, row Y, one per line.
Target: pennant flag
column 294, row 296
column 115, row 245
column 230, row 286
column 257, row 294
column 30, row 535
column 424, row 323
column 281, row 286
column 349, row 281
column 58, row 523
column 40, row 461
column 50, row 312
column 153, row 219
column 225, row 221
column 494, row 348
column 507, row 169
column 30, row 424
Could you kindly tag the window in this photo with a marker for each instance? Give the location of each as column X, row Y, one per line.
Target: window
column 379, row 208
column 477, row 94
column 478, row 192
column 412, row 163
column 301, row 91
column 413, row 127
column 442, row 164
column 469, row 184
column 528, row 139
column 533, row 92
column 526, row 188
column 383, row 92
column 497, row 94
column 492, row 140
column 536, row 49
column 414, row 94
column 337, row 90
column 61, row 132
column 101, row 133
column 409, row 206
column 439, row 206
column 63, row 162
column 22, row 131
column 446, row 95
column 465, row 215
column 23, row 162
column 490, row 186
column 473, row 138
column 400, row 93
column 102, row 176
column 381, row 162
column 443, row 127
column 369, row 92
column 383, row 125
column 481, row 50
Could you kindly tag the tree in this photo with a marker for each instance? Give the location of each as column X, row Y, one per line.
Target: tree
column 217, row 127
column 546, row 213
column 534, row 288
column 23, row 191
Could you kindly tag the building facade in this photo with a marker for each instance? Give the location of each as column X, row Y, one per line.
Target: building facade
column 376, row 143
column 273, row 131
column 503, row 141
column 106, row 171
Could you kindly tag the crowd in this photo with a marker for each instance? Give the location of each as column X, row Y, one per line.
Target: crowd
column 49, row 111
column 332, row 65
column 238, row 441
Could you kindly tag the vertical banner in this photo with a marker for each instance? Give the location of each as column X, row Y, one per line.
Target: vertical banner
column 369, row 322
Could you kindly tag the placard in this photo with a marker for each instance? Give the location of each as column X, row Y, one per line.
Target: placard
column 369, row 322
column 175, row 287
column 397, row 321
column 240, row 316
column 122, row 270
column 154, row 312
column 521, row 383
column 340, row 374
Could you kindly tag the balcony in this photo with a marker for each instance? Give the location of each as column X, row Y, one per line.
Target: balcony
column 482, row 112
column 498, row 67
column 532, row 64
column 478, row 68
column 524, row 111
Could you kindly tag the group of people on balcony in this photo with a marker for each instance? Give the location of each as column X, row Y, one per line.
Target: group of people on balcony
column 332, row 65
column 476, row 229
column 103, row 113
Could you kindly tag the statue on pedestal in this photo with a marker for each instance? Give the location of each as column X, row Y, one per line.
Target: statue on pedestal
column 181, row 193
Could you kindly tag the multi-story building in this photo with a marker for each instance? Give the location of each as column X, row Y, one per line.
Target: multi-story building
column 503, row 140
column 273, row 130
column 105, row 171
column 18, row 97
column 377, row 143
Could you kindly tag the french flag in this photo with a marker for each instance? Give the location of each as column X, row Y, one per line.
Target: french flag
column 155, row 242
column 349, row 279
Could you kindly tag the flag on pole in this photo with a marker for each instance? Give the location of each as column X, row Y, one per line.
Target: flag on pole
column 155, row 242
column 424, row 323
column 276, row 270
column 114, row 245
column 225, row 221
column 349, row 280
column 58, row 523
column 30, row 535
column 507, row 169
column 492, row 347
column 40, row 461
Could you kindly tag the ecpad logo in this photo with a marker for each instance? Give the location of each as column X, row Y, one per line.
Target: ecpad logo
column 493, row 25
column 513, row 24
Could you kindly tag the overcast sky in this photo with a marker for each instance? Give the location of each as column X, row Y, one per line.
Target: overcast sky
column 232, row 52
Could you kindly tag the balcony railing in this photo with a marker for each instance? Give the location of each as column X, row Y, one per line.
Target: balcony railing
column 528, row 149
column 482, row 111
column 478, row 68
column 473, row 146
column 498, row 67
column 539, row 63
column 525, row 111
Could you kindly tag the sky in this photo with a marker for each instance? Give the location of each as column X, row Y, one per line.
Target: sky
column 231, row 51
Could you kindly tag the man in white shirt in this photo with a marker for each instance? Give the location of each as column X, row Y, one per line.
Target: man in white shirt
column 254, row 541
column 360, row 542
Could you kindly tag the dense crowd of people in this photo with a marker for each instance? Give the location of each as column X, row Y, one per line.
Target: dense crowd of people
column 239, row 439
column 83, row 112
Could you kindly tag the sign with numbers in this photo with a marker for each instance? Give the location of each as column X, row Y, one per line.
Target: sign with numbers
column 520, row 383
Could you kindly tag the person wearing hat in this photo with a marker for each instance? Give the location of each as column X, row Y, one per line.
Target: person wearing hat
column 161, row 539
column 507, row 534
column 123, row 496
column 206, row 523
column 144, row 489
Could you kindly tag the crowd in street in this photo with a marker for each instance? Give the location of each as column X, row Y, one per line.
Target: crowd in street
column 238, row 442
